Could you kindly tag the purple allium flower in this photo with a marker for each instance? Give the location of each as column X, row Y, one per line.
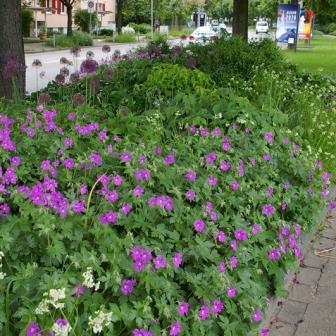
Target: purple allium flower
column 268, row 136
column 126, row 208
column 183, row 308
column 127, row 286
column 138, row 191
column 217, row 307
column 77, row 99
column 267, row 156
column 159, row 262
column 210, row 158
column 231, row 292
column 235, row 185
column 224, row 165
column 268, row 210
column 108, row 218
column 257, row 315
column 220, row 237
column 233, row 262
column 175, row 329
column 69, row 163
column 34, row 329
column 169, row 159
column 191, row 62
column 177, row 259
column 203, row 312
column 78, row 290
column 199, row 225
column 234, row 245
column 89, row 66
column 126, row 156
column 222, row 267
column 212, row 180
column 274, row 254
column 190, row 175
column 256, row 228
column 241, row 234
column 190, row 195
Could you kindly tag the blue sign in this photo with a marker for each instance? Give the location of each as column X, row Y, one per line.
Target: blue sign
column 287, row 23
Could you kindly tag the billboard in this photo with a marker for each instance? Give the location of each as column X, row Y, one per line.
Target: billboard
column 306, row 24
column 287, row 23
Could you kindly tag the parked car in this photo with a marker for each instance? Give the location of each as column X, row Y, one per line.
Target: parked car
column 220, row 30
column 262, row 27
column 203, row 34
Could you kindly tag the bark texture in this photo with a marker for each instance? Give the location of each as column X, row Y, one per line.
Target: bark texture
column 12, row 60
column 240, row 18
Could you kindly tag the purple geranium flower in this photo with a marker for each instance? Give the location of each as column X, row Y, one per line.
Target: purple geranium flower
column 183, row 308
column 199, row 225
column 203, row 312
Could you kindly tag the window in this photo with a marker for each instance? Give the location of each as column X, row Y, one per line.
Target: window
column 47, row 3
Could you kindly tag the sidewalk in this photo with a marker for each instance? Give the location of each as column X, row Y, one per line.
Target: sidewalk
column 310, row 308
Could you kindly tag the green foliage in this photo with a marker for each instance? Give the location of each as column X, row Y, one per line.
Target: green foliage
column 122, row 38
column 78, row 39
column 27, row 20
column 141, row 28
column 82, row 19
column 31, row 40
column 43, row 251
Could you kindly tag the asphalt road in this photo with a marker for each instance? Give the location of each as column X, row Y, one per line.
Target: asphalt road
column 51, row 61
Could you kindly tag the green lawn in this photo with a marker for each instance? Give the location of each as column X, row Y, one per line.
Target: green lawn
column 321, row 56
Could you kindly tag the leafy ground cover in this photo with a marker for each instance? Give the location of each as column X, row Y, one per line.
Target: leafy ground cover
column 319, row 58
column 149, row 198
column 186, row 235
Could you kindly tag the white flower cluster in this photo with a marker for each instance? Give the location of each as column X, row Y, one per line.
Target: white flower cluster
column 100, row 321
column 89, row 280
column 53, row 298
column 61, row 329
column 2, row 274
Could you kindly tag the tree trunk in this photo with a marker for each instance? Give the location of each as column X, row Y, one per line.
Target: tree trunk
column 240, row 19
column 12, row 60
column 119, row 15
column 69, row 13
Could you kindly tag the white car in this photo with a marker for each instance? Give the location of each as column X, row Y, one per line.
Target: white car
column 203, row 34
column 262, row 27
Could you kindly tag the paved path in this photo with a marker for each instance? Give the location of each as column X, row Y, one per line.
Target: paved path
column 310, row 308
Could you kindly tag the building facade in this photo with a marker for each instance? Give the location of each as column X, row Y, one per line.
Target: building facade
column 52, row 14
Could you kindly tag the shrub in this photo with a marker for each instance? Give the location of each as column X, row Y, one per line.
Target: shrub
column 31, row 40
column 27, row 19
column 82, row 19
column 122, row 38
column 78, row 39
column 86, row 203
column 142, row 28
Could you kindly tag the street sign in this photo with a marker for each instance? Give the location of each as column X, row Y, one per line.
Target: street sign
column 91, row 6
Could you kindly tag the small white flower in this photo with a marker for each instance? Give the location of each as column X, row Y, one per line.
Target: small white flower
column 100, row 320
column 61, row 328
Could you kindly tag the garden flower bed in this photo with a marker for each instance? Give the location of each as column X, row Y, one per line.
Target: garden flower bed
column 111, row 232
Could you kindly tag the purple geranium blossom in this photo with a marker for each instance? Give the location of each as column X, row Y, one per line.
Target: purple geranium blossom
column 190, row 175
column 126, row 156
column 183, row 308
column 231, row 292
column 222, row 267
column 210, row 158
column 127, row 286
column 268, row 136
column 138, row 191
column 235, row 185
column 117, row 180
column 159, row 262
column 274, row 254
column 268, row 210
column 108, row 218
column 257, row 315
column 34, row 329
column 199, row 225
column 190, row 195
column 175, row 329
column 220, row 237
column 267, row 157
column 256, row 228
column 233, row 262
column 212, row 180
column 169, row 159
column 224, row 165
column 177, row 259
column 78, row 290
column 69, row 163
column 241, row 234
column 126, row 208
column 203, row 312
column 217, row 307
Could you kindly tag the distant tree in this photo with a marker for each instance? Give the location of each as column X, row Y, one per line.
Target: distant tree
column 27, row 19
column 69, row 5
column 12, row 60
column 240, row 18
column 82, row 19
column 219, row 8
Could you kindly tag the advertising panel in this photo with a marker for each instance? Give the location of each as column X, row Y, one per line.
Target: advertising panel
column 306, row 24
column 287, row 23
